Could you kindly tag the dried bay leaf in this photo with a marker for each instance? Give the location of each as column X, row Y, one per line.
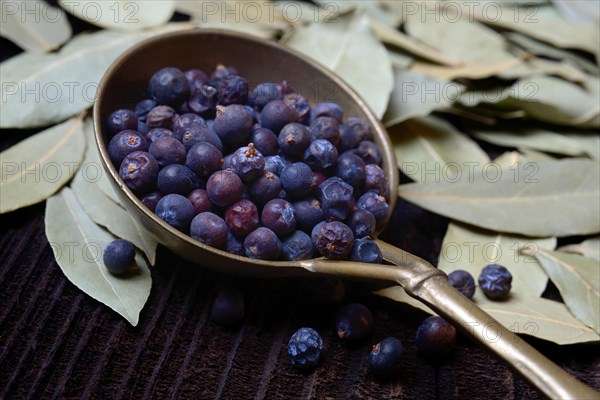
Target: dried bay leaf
column 545, row 50
column 588, row 248
column 459, row 39
column 42, row 89
column 93, row 165
column 417, row 95
column 429, row 149
column 540, row 66
column 578, row 281
column 77, row 243
column 103, row 211
column 348, row 48
column 471, row 71
column 528, row 315
column 35, row 168
column 398, row 39
column 553, row 198
column 514, row 158
column 121, row 15
column 34, row 26
column 542, row 23
column 470, row 249
column 400, row 60
column 567, row 143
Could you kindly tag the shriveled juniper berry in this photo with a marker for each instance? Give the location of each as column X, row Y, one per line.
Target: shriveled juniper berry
column 161, row 117
column 362, row 223
column 320, row 155
column 121, row 120
column 334, row 240
column 304, row 348
column 328, row 109
column 143, row 108
column 366, row 250
column 264, row 93
column 495, row 281
column 232, row 89
column 325, row 128
column 169, row 86
column 375, row 181
column 375, row 204
column 242, row 217
column 336, row 199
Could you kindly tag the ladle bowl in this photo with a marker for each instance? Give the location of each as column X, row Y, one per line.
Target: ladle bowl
column 124, row 84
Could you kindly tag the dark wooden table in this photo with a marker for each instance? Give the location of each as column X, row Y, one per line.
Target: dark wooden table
column 56, row 342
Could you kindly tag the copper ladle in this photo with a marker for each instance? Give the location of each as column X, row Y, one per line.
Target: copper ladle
column 258, row 61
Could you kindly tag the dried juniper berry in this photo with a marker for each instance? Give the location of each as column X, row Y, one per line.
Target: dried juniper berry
column 495, row 281
column 293, row 139
column 308, row 213
column 228, row 307
column 234, row 245
column 463, row 282
column 354, row 322
column 196, row 78
column 151, row 200
column 304, row 348
column 336, row 199
column 351, row 169
column 331, row 110
column 386, row 356
column 232, row 89
column 376, row 181
column 177, row 178
column 161, row 117
column 124, row 143
column 167, row 151
column 353, row 132
column 297, row 246
column 318, row 178
column 156, row 133
column 233, row 124
column 276, row 164
column 169, row 86
column 242, row 217
column 196, row 133
column 143, row 108
column 119, row 256
column 142, row 128
column 369, row 152
column 320, row 155
column 263, row 244
column 265, row 93
column 264, row 140
column 139, row 171
column 203, row 102
column 224, row 188
column 297, row 180
column 209, row 228
column 204, row 159
column 375, row 204
column 200, row 201
column 300, row 105
column 366, row 250
column 176, row 211
column 222, row 71
column 279, row 216
column 265, row 188
column 362, row 223
column 185, row 120
column 275, row 115
column 325, row 128
column 334, row 240
column 121, row 120
column 435, row 338
column 248, row 163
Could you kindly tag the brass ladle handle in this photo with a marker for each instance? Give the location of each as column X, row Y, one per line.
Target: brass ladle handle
column 430, row 285
column 435, row 291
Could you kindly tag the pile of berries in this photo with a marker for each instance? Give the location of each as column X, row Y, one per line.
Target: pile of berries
column 258, row 173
